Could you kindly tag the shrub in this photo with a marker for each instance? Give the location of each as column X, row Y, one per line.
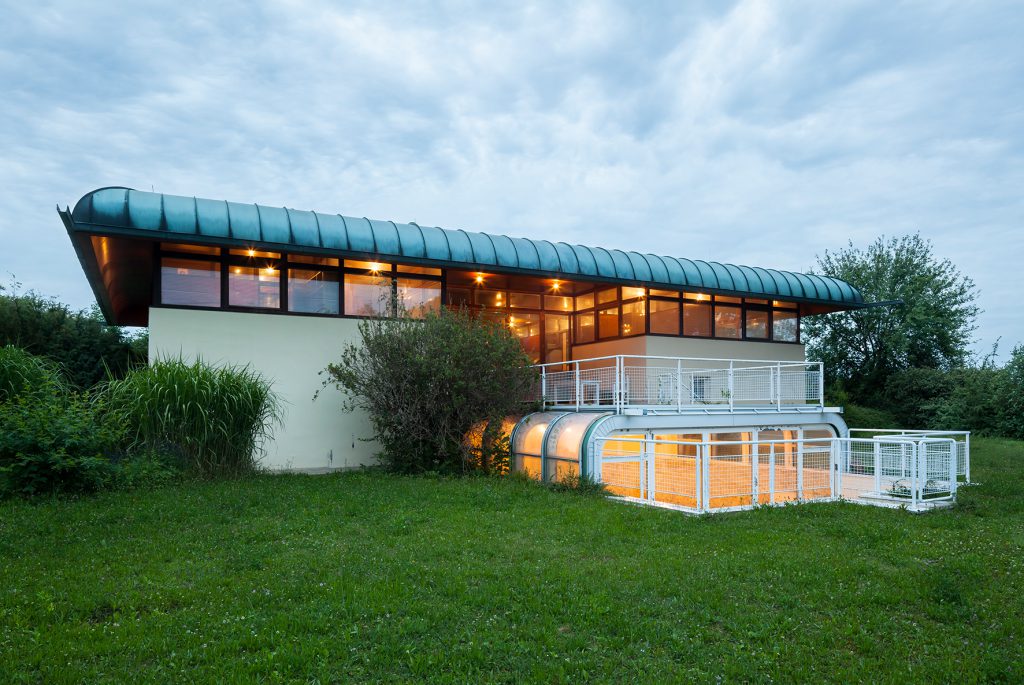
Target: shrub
column 857, row 416
column 217, row 419
column 914, row 396
column 24, row 373
column 81, row 342
column 426, row 383
column 1010, row 396
column 54, row 444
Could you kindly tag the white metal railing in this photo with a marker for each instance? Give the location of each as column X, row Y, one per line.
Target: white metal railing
column 899, row 471
column 623, row 382
column 962, row 439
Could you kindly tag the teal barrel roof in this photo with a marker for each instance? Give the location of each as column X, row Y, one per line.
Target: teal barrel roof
column 122, row 211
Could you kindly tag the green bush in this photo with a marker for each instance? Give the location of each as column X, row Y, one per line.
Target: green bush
column 55, row 444
column 81, row 342
column 217, row 419
column 426, row 383
column 857, row 416
column 915, row 396
column 1010, row 396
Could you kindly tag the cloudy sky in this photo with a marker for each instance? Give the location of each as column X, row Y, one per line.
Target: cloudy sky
column 752, row 132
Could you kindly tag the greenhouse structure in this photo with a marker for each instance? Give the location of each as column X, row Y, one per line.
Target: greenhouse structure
column 676, row 382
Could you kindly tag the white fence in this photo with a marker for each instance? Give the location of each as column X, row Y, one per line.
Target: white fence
column 623, row 382
column 915, row 472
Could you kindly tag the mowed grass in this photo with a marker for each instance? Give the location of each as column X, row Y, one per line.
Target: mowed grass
column 366, row 577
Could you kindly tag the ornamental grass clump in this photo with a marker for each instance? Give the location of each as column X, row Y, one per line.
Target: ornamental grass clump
column 217, row 419
column 22, row 373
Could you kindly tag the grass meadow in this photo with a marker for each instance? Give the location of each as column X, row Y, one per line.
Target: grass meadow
column 362, row 577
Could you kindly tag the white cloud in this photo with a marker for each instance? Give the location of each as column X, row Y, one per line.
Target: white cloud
column 759, row 133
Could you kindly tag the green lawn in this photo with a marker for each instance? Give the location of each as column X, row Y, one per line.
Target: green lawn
column 364, row 577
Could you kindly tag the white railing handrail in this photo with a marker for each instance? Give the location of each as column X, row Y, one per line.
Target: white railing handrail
column 619, row 383
column 767, row 363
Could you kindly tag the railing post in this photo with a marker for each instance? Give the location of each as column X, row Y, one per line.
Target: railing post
column 778, row 386
column 967, row 458
column 705, row 476
column 800, row 468
column 878, row 466
column 821, row 384
column 679, row 385
column 755, row 473
column 920, row 455
column 544, row 387
column 618, row 384
column 953, row 454
column 731, row 385
column 771, row 473
column 576, row 376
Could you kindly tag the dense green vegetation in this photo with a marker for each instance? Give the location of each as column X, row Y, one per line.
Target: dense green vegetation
column 159, row 421
column 80, row 342
column 910, row 362
column 369, row 577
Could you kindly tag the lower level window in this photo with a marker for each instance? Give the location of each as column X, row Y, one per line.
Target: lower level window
column 757, row 324
column 189, row 282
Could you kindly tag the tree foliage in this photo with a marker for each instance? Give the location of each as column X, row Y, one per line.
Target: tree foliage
column 427, row 383
column 932, row 329
column 80, row 342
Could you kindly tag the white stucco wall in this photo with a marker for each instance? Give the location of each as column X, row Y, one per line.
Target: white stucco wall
column 661, row 346
column 290, row 351
column 724, row 349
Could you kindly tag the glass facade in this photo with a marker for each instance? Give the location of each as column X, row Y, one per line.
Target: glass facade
column 548, row 316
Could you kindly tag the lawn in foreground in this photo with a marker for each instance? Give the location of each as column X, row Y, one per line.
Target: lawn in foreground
column 363, row 576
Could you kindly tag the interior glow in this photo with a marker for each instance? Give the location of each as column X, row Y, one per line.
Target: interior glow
column 479, row 278
column 252, row 252
column 556, row 285
column 376, row 267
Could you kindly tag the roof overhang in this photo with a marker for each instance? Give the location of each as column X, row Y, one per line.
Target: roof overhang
column 114, row 230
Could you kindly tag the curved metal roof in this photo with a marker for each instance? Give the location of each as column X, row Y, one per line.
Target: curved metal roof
column 171, row 217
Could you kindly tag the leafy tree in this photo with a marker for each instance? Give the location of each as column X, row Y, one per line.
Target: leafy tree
column 932, row 328
column 81, row 342
column 426, row 384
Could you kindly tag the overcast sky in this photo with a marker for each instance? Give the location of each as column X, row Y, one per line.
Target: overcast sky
column 761, row 133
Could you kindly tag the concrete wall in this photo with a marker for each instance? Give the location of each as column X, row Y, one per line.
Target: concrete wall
column 290, row 351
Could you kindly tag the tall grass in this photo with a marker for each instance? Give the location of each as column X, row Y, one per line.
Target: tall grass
column 217, row 418
column 22, row 373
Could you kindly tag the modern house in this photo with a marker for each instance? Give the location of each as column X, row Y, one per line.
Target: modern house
column 647, row 363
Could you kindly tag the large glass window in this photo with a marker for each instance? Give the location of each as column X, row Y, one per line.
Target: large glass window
column 250, row 286
column 367, row 295
column 608, row 323
column 757, row 324
column 697, row 319
column 607, row 295
column 633, row 318
column 416, row 297
column 584, row 328
column 585, row 301
column 728, row 322
column 189, row 282
column 664, row 317
column 313, row 292
column 784, row 326
column 556, row 338
column 632, row 293
column 526, row 327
